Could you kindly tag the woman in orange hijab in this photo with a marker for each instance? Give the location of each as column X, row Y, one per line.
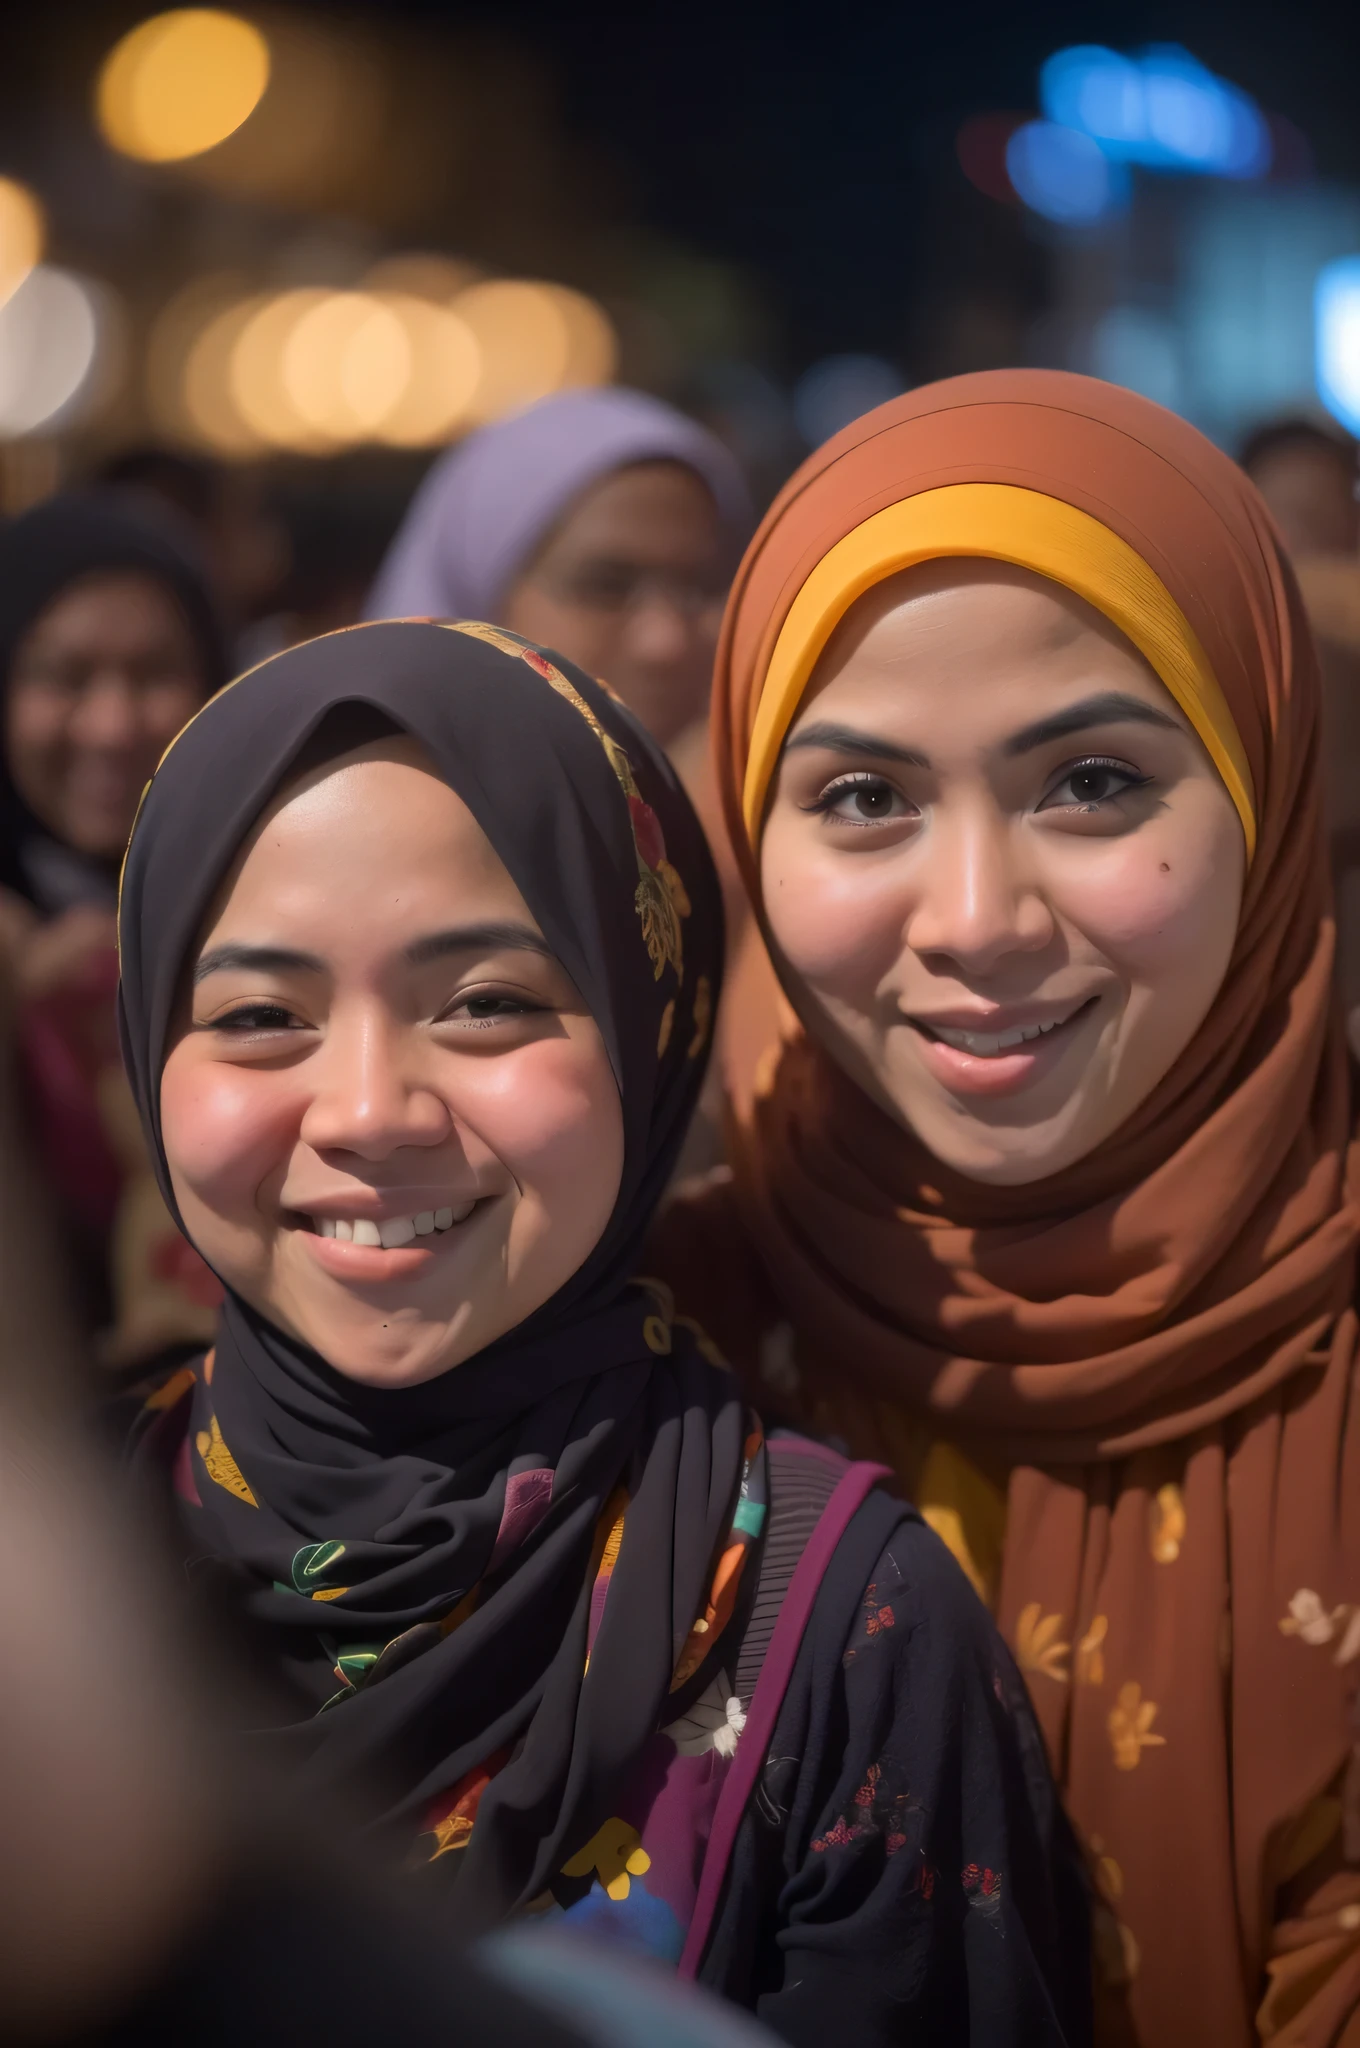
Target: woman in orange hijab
column 1049, row 1193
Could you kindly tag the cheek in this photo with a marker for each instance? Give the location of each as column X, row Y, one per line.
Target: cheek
column 1158, row 904
column 36, row 730
column 550, row 1113
column 226, row 1130
column 837, row 919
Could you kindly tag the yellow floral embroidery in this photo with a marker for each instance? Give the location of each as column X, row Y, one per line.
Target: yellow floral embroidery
column 1111, row 1878
column 1166, row 1524
column 616, row 1854
column 1130, row 1725
column 660, row 899
column 1036, row 1642
column 220, row 1465
column 1091, row 1652
column 1315, row 1624
column 452, row 1832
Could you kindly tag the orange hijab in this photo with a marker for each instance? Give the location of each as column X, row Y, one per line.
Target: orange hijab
column 1170, row 1320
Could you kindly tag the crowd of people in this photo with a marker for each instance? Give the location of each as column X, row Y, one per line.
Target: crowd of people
column 680, row 1287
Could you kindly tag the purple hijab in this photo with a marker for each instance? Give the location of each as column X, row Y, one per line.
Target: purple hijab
column 486, row 505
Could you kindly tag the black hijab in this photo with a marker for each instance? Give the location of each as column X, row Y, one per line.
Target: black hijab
column 458, row 1534
column 43, row 552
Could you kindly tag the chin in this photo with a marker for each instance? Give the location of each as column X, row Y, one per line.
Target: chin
column 1015, row 1157
column 388, row 1358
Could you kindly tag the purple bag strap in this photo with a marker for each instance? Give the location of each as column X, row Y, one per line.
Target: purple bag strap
column 856, row 1483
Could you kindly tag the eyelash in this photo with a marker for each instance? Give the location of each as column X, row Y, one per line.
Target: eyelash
column 865, row 779
column 822, row 805
column 251, row 1017
column 1132, row 780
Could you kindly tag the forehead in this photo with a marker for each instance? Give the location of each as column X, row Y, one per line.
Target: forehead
column 108, row 600
column 642, row 506
column 373, row 840
column 976, row 627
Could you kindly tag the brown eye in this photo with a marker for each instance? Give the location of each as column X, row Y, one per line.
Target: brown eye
column 863, row 800
column 1089, row 784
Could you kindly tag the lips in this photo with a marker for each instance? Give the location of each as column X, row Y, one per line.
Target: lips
column 969, row 1060
column 369, row 1251
column 987, row 1045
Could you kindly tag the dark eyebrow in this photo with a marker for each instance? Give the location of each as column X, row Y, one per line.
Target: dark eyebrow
column 259, row 959
column 846, row 739
column 1111, row 707
column 478, row 938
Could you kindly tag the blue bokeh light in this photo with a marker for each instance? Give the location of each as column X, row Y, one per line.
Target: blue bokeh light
column 1336, row 313
column 1162, row 108
column 1062, row 174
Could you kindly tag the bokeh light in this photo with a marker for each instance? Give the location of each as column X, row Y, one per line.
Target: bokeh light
column 533, row 339
column 49, row 350
column 1337, row 327
column 255, row 374
column 1162, row 108
column 1063, row 175
column 840, row 389
column 312, row 370
column 445, row 367
column 205, row 384
column 181, row 83
column 21, row 235
column 345, row 364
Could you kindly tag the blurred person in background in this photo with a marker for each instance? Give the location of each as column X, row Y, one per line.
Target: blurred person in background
column 604, row 524
column 601, row 523
column 1309, row 475
column 109, row 641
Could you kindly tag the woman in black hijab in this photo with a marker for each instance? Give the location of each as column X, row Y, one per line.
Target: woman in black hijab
column 420, row 944
column 108, row 642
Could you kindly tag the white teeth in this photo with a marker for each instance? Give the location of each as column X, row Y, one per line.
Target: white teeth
column 987, row 1044
column 393, row 1230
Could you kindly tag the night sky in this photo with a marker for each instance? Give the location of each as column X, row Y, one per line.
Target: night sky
column 813, row 145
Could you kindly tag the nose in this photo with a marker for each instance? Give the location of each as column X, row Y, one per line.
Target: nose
column 975, row 903
column 105, row 715
column 658, row 632
column 370, row 1098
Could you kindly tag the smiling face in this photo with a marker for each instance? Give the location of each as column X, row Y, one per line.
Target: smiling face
column 99, row 686
column 390, row 1121
column 1000, row 871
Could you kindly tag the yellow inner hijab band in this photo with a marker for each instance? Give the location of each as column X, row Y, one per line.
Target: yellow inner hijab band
column 1005, row 524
